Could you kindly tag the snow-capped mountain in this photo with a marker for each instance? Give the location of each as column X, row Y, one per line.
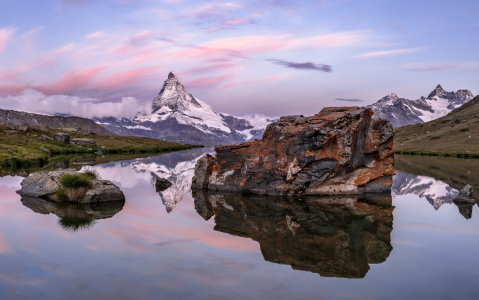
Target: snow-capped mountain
column 401, row 112
column 178, row 116
column 435, row 191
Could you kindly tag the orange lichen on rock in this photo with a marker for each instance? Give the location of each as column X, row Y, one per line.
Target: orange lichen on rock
column 340, row 150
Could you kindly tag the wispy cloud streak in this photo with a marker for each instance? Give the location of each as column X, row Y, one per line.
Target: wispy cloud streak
column 302, row 66
column 350, row 100
column 388, row 53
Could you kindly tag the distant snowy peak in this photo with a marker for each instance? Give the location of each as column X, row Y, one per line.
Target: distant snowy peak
column 403, row 112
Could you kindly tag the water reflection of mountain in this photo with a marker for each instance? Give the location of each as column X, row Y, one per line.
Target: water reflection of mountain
column 435, row 191
column 331, row 236
column 456, row 172
column 177, row 167
column 438, row 179
column 74, row 217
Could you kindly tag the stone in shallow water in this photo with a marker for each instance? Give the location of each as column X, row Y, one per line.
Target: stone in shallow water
column 341, row 150
column 162, row 184
column 46, row 185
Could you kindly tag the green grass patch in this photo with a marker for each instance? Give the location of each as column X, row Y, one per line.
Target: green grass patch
column 75, row 181
column 62, row 195
column 91, row 173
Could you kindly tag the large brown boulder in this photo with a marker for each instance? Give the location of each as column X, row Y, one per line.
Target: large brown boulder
column 341, row 150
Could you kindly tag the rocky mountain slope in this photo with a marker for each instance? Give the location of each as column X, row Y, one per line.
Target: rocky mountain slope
column 18, row 118
column 456, row 133
column 178, row 116
column 401, row 112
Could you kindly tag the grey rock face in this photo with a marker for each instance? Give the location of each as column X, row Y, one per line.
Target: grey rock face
column 84, row 142
column 44, row 149
column 401, row 112
column 203, row 170
column 103, row 191
column 162, row 184
column 466, row 191
column 38, row 185
column 465, row 196
column 62, row 137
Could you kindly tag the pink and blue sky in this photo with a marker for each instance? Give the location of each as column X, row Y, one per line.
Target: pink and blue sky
column 273, row 57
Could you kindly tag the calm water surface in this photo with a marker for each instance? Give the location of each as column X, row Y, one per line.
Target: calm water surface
column 417, row 244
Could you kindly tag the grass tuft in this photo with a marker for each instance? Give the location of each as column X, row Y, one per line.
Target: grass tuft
column 75, row 181
column 91, row 173
column 464, row 129
column 62, row 195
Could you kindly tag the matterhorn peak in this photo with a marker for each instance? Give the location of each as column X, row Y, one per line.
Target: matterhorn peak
column 174, row 76
column 173, row 96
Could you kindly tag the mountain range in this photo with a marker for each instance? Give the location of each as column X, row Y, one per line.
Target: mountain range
column 401, row 112
column 181, row 117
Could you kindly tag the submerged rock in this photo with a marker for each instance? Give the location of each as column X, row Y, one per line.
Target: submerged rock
column 465, row 196
column 45, row 186
column 341, row 150
column 162, row 184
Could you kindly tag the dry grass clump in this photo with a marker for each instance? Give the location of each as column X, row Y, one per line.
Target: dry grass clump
column 76, row 194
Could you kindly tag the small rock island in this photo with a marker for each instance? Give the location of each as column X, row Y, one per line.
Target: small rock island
column 340, row 150
column 70, row 186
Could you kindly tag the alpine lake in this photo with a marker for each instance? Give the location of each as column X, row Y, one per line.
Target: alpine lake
column 178, row 244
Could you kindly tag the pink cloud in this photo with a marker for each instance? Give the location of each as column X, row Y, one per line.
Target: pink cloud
column 388, row 53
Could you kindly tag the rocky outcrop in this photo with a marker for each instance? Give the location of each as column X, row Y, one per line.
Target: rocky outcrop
column 19, row 118
column 83, row 142
column 341, row 150
column 45, row 186
column 62, row 137
column 334, row 236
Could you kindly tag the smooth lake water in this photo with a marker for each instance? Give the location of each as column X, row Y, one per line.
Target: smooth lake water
column 416, row 245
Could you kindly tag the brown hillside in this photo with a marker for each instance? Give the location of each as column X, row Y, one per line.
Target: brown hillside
column 454, row 134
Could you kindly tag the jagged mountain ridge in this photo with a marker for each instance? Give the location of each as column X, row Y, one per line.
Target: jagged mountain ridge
column 181, row 117
column 401, row 112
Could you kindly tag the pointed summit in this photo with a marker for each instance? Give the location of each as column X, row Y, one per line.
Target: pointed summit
column 173, row 95
column 439, row 88
column 172, row 75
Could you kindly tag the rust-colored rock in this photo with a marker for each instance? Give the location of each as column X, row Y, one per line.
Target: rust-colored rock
column 341, row 150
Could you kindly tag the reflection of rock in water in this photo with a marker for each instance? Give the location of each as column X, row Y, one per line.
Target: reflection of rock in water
column 334, row 236
column 74, row 217
column 465, row 210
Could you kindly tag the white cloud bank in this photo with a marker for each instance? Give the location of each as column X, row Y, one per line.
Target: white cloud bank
column 33, row 101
